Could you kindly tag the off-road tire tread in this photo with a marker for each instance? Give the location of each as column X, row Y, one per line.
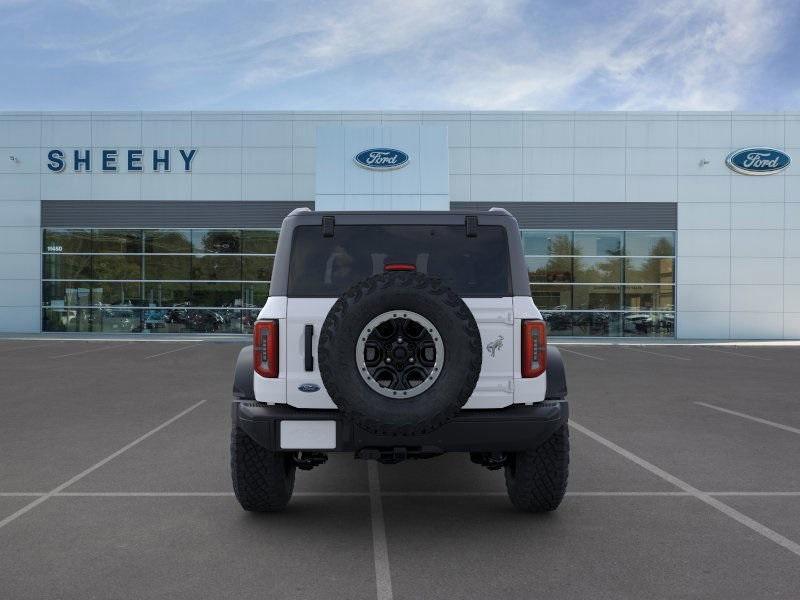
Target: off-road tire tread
column 260, row 480
column 423, row 284
column 539, row 480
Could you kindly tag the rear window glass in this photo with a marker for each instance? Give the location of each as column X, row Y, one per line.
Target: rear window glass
column 326, row 267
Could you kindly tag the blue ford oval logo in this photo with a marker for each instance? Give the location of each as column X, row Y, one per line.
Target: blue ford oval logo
column 381, row 159
column 308, row 387
column 758, row 161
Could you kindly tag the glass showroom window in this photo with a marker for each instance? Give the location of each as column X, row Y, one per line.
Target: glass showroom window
column 155, row 280
column 603, row 283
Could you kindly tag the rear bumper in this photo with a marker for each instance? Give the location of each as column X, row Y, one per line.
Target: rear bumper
column 509, row 429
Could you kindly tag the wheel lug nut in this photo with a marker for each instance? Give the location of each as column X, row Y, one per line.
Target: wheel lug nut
column 399, row 340
column 388, row 360
column 410, row 360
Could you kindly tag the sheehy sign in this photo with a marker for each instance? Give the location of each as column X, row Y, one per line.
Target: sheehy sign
column 111, row 161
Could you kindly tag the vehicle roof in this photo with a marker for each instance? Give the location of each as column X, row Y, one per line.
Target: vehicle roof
column 489, row 211
column 304, row 217
column 404, row 217
column 402, row 212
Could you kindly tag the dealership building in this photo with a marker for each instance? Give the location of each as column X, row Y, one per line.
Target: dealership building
column 635, row 225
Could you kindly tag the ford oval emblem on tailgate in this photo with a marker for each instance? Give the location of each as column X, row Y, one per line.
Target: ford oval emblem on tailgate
column 308, row 387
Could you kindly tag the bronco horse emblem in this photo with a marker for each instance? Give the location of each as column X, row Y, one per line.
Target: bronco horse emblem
column 494, row 346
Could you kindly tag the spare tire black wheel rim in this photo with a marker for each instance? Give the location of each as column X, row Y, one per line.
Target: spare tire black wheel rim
column 399, row 354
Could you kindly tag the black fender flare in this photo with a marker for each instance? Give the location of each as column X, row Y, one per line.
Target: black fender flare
column 556, row 375
column 243, row 375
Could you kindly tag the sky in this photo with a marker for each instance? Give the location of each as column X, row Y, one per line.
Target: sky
column 400, row 55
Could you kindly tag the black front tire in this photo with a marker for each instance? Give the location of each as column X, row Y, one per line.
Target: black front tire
column 536, row 480
column 263, row 481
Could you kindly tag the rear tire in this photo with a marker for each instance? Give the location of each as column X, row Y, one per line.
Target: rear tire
column 536, row 480
column 263, row 481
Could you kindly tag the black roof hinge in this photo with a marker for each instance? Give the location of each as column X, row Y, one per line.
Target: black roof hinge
column 471, row 224
column 328, row 221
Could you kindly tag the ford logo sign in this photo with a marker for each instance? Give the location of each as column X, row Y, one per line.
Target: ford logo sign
column 381, row 159
column 758, row 161
column 308, row 387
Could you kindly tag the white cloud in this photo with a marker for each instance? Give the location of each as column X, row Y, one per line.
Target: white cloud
column 711, row 63
column 684, row 56
column 474, row 54
column 322, row 39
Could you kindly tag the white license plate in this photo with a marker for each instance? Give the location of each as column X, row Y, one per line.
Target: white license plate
column 308, row 435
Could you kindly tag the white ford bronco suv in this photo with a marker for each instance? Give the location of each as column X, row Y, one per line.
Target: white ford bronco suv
column 397, row 335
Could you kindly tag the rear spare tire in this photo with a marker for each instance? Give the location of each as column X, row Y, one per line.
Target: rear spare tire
column 400, row 353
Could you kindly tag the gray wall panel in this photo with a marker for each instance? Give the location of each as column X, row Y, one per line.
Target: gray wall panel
column 585, row 215
column 20, row 319
column 134, row 213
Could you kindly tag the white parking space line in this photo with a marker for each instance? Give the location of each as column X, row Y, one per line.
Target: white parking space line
column 625, row 494
column 434, row 494
column 196, row 494
column 579, row 353
column 30, row 506
column 734, row 514
column 751, row 418
column 430, row 494
column 490, row 494
column 757, row 494
column 741, row 354
column 656, row 353
column 91, row 350
column 144, row 494
column 380, row 549
column 194, row 345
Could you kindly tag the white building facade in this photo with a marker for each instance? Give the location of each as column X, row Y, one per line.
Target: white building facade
column 634, row 224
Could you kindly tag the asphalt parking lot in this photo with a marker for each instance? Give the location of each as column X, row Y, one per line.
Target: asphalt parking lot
column 114, row 483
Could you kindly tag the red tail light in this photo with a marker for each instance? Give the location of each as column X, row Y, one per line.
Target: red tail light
column 534, row 348
column 265, row 348
column 399, row 267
